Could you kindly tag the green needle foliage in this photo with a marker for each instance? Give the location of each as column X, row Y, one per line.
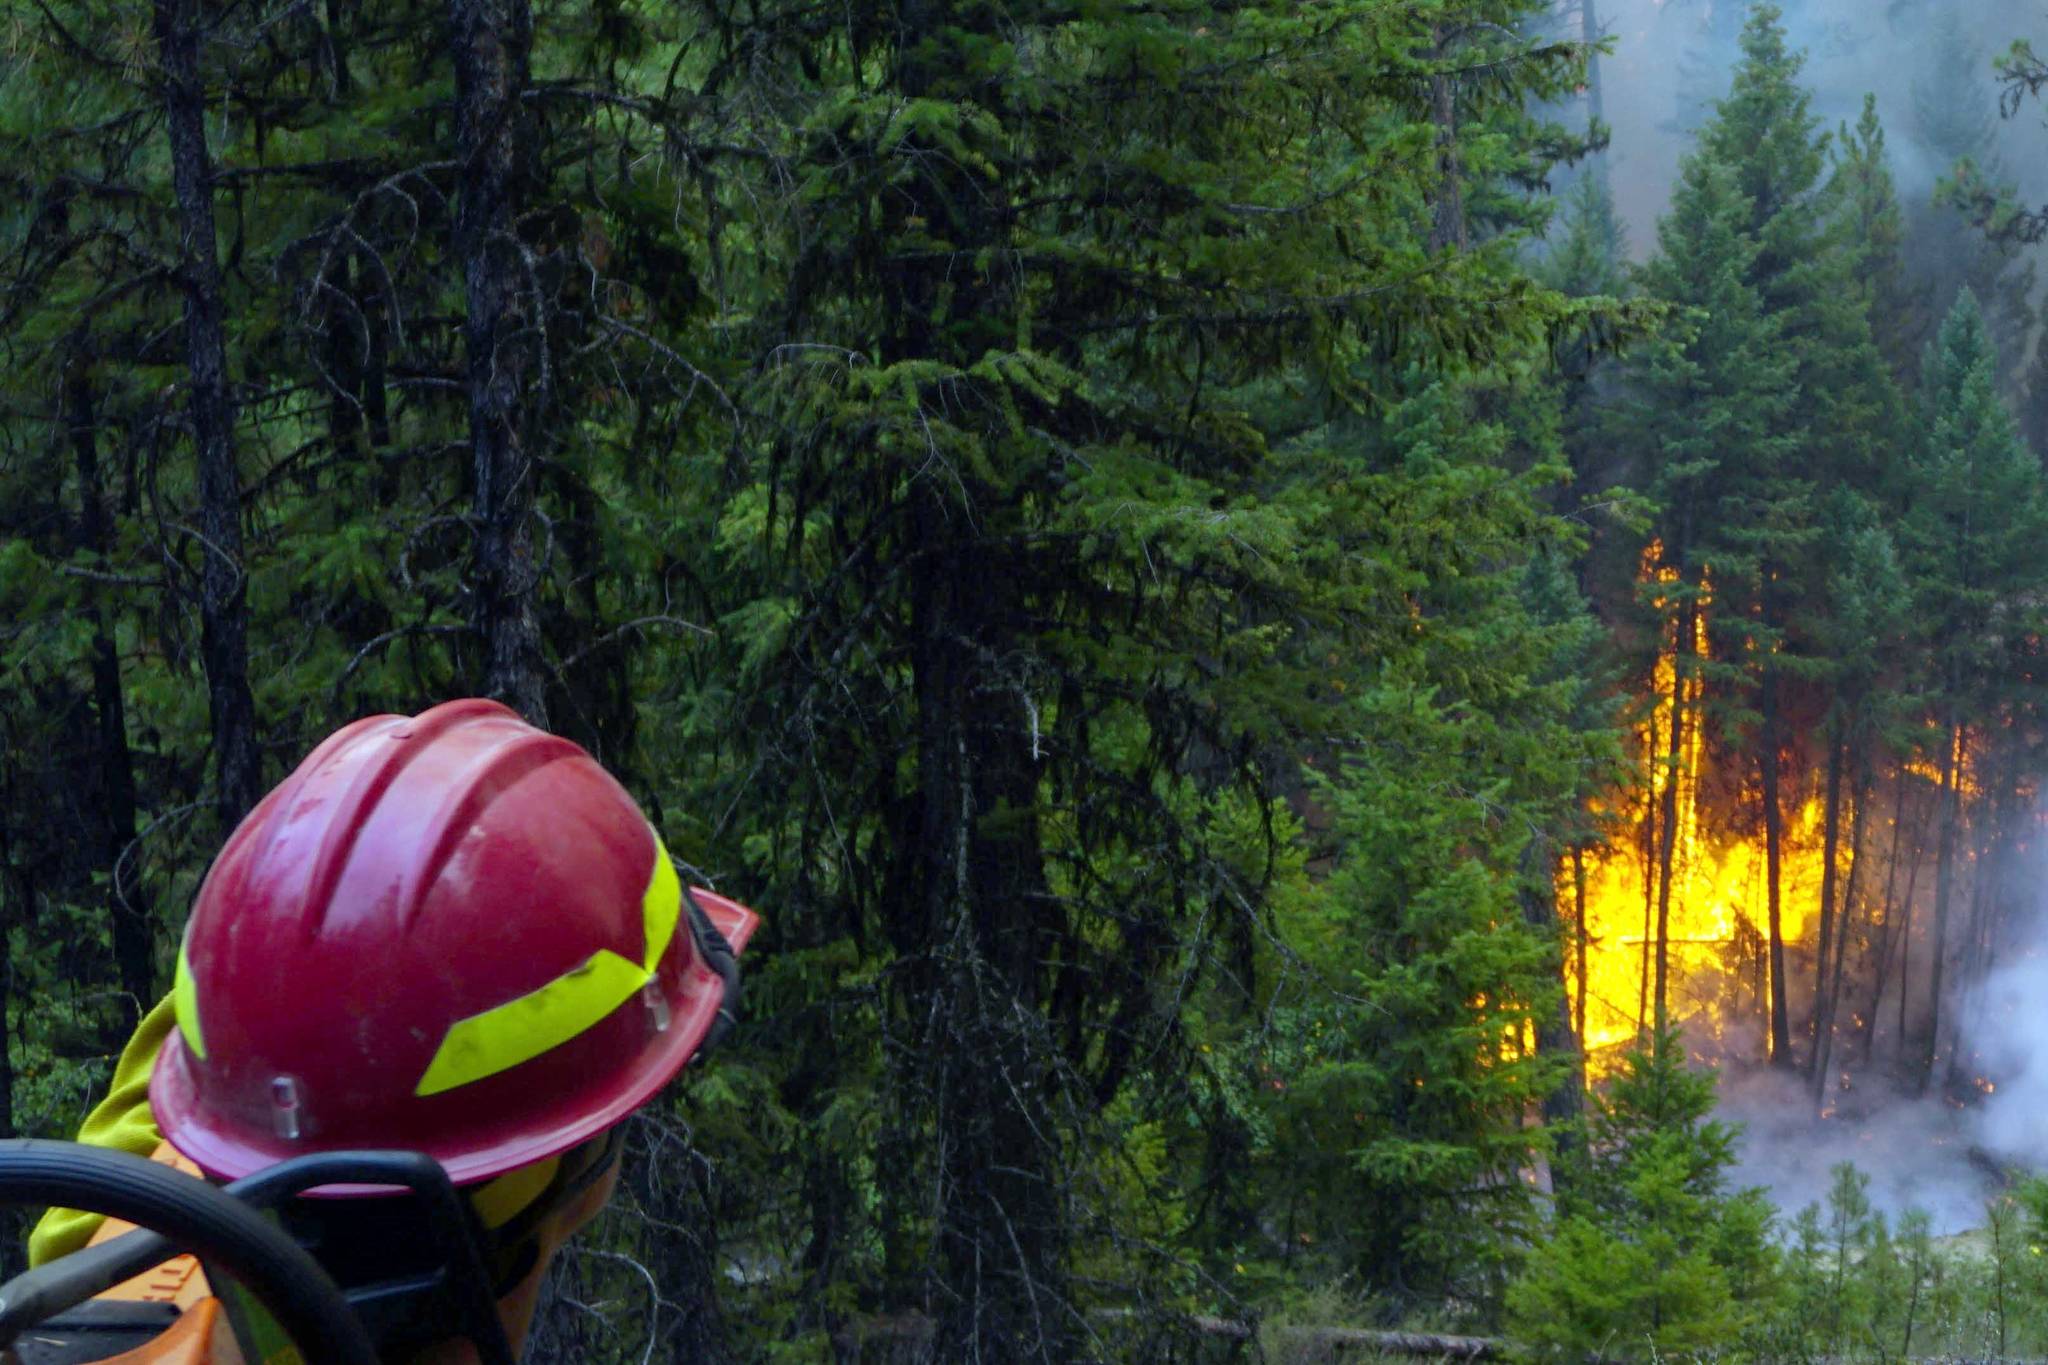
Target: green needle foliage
column 1086, row 516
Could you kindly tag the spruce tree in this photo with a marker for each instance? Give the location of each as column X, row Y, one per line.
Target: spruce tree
column 1863, row 203
column 1974, row 521
column 1437, row 928
column 1588, row 253
column 1708, row 409
column 1654, row 1253
column 1059, row 517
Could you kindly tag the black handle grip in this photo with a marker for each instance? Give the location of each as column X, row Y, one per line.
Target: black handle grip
column 193, row 1216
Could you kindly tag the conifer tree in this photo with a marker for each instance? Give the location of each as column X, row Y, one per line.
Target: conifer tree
column 1034, row 358
column 1397, row 1078
column 1588, row 253
column 1654, row 1253
column 1708, row 411
column 1863, row 203
column 1973, row 525
column 1856, row 416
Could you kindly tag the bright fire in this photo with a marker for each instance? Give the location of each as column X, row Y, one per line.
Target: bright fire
column 1717, row 959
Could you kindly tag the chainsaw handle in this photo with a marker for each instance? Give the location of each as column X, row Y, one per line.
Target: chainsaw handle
column 194, row 1217
column 68, row 1281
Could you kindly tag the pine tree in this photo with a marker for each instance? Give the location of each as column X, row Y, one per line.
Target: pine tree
column 1863, row 204
column 1589, row 252
column 1656, row 1254
column 1437, row 922
column 1708, row 409
column 1974, row 520
column 1855, row 415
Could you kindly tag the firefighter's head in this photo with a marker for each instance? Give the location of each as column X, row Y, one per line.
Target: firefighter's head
column 454, row 934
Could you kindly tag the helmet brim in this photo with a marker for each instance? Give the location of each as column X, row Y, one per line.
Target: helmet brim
column 228, row 1151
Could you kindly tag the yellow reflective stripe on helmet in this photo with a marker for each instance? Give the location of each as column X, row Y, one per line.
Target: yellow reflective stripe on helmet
column 185, row 1005
column 520, row 1030
column 503, row 1036
column 660, row 907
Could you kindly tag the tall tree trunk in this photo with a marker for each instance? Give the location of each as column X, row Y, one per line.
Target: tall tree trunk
column 1555, row 1036
column 493, row 41
column 1000, row 1234
column 1589, row 34
column 1584, row 936
column 223, row 596
column 1888, row 935
column 1652, row 862
column 1674, row 777
column 376, row 357
column 128, row 919
column 1447, row 208
column 1000, row 1226
column 1774, row 861
column 1824, row 1034
column 1944, row 887
column 1906, row 924
column 345, row 345
column 1830, row 847
column 17, row 907
column 1987, row 861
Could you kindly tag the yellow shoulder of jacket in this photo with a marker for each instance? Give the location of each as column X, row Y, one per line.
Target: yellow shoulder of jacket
column 122, row 1121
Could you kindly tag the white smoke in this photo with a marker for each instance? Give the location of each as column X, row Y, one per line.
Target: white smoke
column 1851, row 46
column 2009, row 1030
column 1917, row 1152
column 1946, row 1150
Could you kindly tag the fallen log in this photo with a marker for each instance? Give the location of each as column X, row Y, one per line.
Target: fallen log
column 1427, row 1345
column 914, row 1329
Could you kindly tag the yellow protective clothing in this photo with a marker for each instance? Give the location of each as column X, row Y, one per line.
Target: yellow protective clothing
column 122, row 1121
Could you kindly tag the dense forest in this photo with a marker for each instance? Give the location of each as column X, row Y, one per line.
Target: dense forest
column 1293, row 693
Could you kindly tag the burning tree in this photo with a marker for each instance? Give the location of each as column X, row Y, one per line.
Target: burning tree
column 1833, row 622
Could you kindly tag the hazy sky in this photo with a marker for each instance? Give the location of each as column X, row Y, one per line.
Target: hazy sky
column 1852, row 46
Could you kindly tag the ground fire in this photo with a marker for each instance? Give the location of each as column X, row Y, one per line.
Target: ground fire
column 1859, row 970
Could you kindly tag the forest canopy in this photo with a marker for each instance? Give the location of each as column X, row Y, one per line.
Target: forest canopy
column 1282, row 694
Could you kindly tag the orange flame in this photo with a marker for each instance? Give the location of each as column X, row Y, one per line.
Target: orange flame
column 1717, row 927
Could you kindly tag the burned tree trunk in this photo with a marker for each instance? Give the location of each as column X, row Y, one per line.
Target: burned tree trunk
column 1652, row 862
column 1831, row 846
column 1674, row 776
column 1886, row 929
column 223, row 597
column 1906, row 925
column 1830, row 1010
column 1944, row 889
column 1774, row 860
column 506, row 349
column 1584, row 939
column 133, row 937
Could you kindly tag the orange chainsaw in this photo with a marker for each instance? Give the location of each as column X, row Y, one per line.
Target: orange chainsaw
column 188, row 1273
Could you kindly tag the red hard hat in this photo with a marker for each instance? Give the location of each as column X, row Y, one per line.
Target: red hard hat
column 451, row 933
